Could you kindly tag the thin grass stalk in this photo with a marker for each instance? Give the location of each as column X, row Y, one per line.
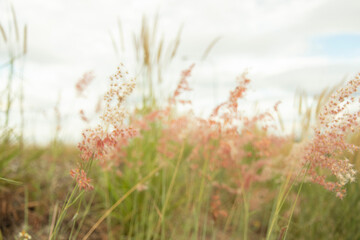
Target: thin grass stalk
column 246, row 217
column 107, row 204
column 21, row 91
column 69, row 202
column 3, row 33
column 277, row 207
column 204, row 229
column 214, row 231
column 86, row 211
column 63, row 212
column 283, row 194
column 232, row 212
column 17, row 35
column 132, row 219
column 238, row 222
column 150, row 232
column 75, row 218
column 209, row 48
column 189, row 200
column 164, row 174
column 167, row 198
column 294, row 181
column 294, row 204
column 53, row 221
column 106, row 214
column 177, row 42
column 12, row 56
column 26, row 209
column 9, row 89
column 10, row 181
column 202, row 187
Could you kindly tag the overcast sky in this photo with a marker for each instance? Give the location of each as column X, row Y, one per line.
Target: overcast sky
column 287, row 45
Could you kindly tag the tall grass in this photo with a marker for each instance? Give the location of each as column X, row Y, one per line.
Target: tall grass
column 15, row 43
column 154, row 55
column 184, row 177
column 156, row 172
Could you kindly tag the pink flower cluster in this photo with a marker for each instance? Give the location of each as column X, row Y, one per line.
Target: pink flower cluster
column 326, row 153
column 81, row 178
column 102, row 142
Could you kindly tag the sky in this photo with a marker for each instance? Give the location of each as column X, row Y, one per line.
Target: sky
column 286, row 46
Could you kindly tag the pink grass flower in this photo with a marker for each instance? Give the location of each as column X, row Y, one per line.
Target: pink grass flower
column 81, row 178
column 328, row 148
column 100, row 141
column 103, row 142
column 182, row 87
column 84, row 82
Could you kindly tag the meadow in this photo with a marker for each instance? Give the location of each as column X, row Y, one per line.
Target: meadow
column 158, row 171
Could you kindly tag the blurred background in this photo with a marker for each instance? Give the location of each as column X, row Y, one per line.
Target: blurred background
column 288, row 47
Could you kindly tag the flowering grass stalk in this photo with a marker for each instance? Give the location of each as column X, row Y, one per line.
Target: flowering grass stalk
column 100, row 143
column 326, row 153
column 75, row 195
column 229, row 165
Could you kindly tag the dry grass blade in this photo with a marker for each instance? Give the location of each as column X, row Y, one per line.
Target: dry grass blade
column 158, row 59
column 145, row 41
column 3, row 33
column 25, row 40
column 300, row 102
column 15, row 24
column 159, row 51
column 177, row 42
column 209, row 48
column 137, row 46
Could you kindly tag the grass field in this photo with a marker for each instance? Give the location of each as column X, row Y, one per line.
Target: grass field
column 154, row 171
column 171, row 175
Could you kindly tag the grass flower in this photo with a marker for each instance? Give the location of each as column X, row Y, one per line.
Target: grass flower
column 325, row 154
column 182, row 86
column 98, row 142
column 102, row 142
column 81, row 178
column 84, row 82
